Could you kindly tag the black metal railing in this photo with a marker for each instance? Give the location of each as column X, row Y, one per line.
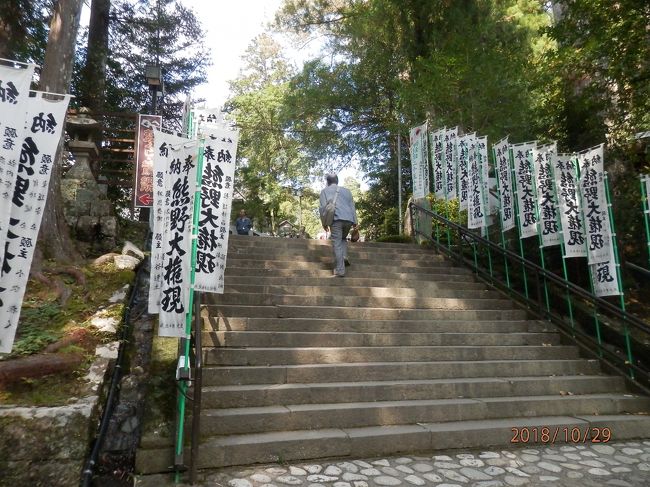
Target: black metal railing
column 602, row 329
column 197, row 388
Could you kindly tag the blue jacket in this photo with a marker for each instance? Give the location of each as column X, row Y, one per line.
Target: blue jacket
column 345, row 209
column 243, row 225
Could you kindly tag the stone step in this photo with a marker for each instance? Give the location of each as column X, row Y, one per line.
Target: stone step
column 333, row 355
column 365, row 442
column 347, row 339
column 258, row 395
column 381, row 371
column 216, row 422
column 326, row 255
column 282, row 311
column 433, row 284
column 406, row 273
column 255, row 299
column 215, row 323
column 392, row 266
column 240, row 241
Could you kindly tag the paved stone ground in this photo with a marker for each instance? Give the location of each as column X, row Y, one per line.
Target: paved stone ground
column 621, row 464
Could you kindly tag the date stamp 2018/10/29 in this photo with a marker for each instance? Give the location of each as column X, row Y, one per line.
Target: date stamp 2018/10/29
column 557, row 434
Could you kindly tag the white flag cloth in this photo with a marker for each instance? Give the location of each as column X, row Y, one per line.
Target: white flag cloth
column 523, row 174
column 463, row 170
column 569, row 204
column 437, row 162
column 219, row 154
column 14, row 92
column 604, row 276
column 504, row 177
column 177, row 241
column 451, row 161
column 647, row 190
column 44, row 123
column 419, row 161
column 484, row 165
column 163, row 156
column 594, row 205
column 205, row 118
column 475, row 200
column 546, row 201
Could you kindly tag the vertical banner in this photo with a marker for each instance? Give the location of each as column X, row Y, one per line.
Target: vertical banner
column 205, row 119
column 463, row 175
column 451, row 162
column 603, row 276
column 161, row 208
column 14, row 91
column 437, row 156
column 219, row 155
column 484, row 166
column 594, row 205
column 143, row 191
column 475, row 198
column 523, row 163
column 647, row 189
column 45, row 121
column 570, row 206
column 546, row 201
column 177, row 241
column 419, row 161
column 504, row 175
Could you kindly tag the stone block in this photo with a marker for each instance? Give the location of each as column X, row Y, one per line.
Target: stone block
column 125, row 262
column 108, row 226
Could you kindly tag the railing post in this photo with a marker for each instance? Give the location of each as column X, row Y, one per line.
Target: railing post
column 198, row 386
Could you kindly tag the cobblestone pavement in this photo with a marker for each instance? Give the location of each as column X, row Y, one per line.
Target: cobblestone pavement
column 621, row 464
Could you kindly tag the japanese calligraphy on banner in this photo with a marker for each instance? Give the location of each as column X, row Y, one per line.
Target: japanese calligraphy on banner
column 523, row 163
column 546, row 201
column 14, row 91
column 647, row 190
column 177, row 240
column 143, row 192
column 437, row 160
column 161, row 208
column 504, row 177
column 44, row 123
column 594, row 205
column 604, row 276
column 568, row 198
column 219, row 154
column 451, row 161
column 484, row 166
column 204, row 119
column 419, row 161
column 475, row 198
column 463, row 175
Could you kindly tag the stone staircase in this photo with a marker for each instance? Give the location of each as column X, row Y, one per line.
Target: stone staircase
column 406, row 353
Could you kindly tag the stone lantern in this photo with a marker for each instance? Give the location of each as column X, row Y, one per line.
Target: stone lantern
column 82, row 130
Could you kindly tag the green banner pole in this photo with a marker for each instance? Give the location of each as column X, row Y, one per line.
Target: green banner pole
column 486, row 203
column 515, row 194
column 190, row 310
column 646, row 213
column 503, row 238
column 619, row 277
column 539, row 237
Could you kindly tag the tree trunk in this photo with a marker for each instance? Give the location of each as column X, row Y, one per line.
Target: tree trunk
column 54, row 237
column 94, row 72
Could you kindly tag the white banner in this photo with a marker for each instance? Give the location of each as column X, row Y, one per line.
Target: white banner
column 647, row 190
column 14, row 91
column 594, row 205
column 546, row 201
column 219, row 154
column 177, row 241
column 419, row 161
column 451, row 161
column 161, row 208
column 437, row 161
column 45, row 121
column 570, row 206
column 604, row 276
column 484, row 165
column 475, row 198
column 523, row 163
column 205, row 119
column 463, row 175
column 504, row 177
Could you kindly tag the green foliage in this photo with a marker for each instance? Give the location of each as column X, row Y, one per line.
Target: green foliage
column 23, row 29
column 391, row 222
column 395, row 239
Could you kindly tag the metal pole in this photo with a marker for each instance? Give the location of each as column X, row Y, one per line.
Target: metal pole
column 190, row 310
column 515, row 193
column 619, row 277
column 399, row 180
